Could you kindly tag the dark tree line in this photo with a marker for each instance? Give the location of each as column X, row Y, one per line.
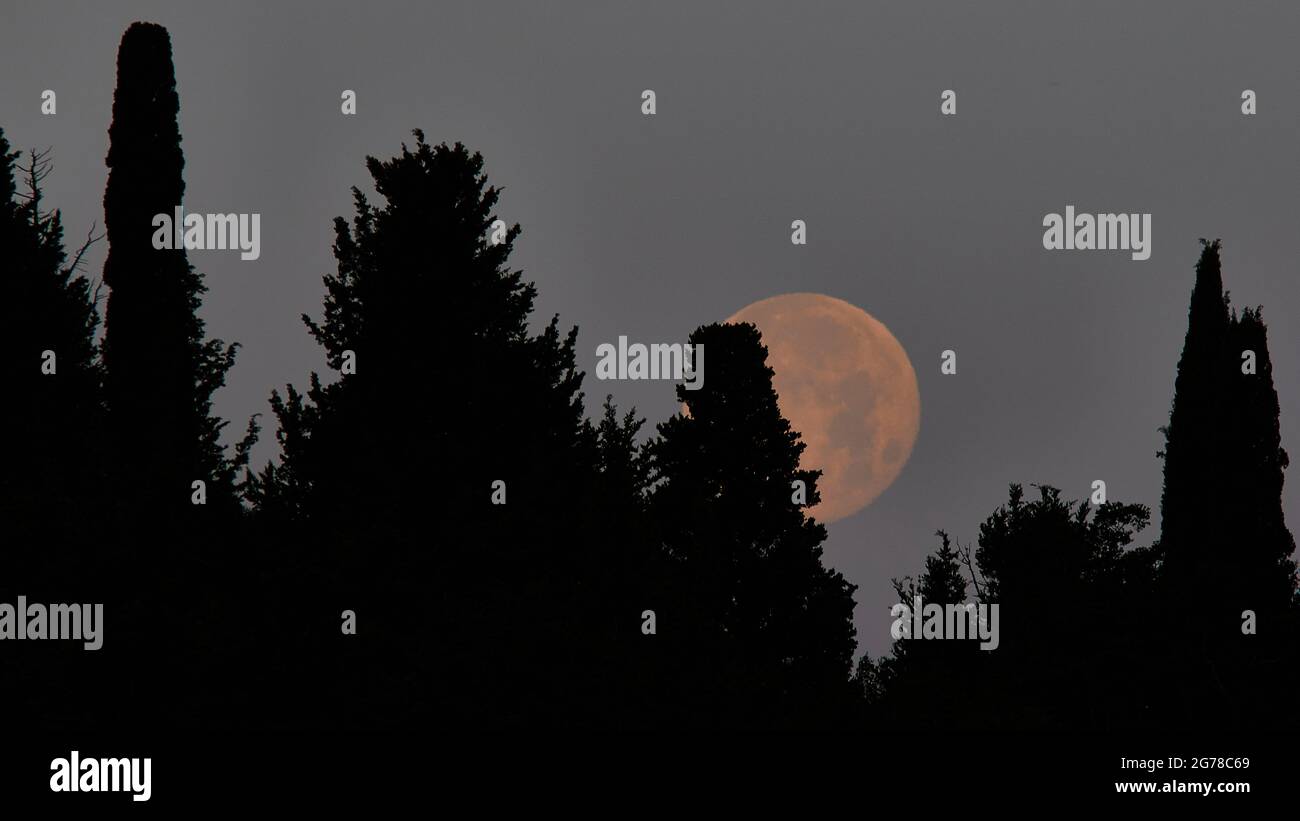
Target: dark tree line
column 1099, row 635
column 441, row 402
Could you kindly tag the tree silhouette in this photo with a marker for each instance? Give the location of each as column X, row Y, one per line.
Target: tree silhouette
column 1074, row 605
column 1222, row 530
column 1224, row 542
column 501, row 553
column 178, row 580
column 1101, row 636
column 764, row 604
column 388, row 473
column 160, row 371
column 1262, row 563
column 1073, row 599
column 52, row 406
column 53, row 497
column 925, row 684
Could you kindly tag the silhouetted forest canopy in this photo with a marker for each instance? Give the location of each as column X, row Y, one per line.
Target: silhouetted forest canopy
column 471, row 613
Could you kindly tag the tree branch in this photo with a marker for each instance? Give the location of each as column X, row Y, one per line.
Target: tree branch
column 91, row 239
column 964, row 553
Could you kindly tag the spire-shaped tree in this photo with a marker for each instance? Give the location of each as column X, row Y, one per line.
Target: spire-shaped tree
column 1224, row 544
column 1190, row 506
column 160, row 372
column 752, row 560
column 1260, row 561
column 1223, row 537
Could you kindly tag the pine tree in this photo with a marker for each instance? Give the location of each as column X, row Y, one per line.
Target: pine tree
column 775, row 623
column 161, row 373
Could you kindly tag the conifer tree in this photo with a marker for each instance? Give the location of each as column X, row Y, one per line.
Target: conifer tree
column 767, row 608
column 1226, row 551
column 1261, row 559
column 161, row 373
column 1191, row 518
column 916, row 685
column 1223, row 536
column 53, row 488
column 52, row 483
column 442, row 472
column 425, row 309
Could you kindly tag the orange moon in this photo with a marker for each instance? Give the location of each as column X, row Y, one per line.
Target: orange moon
column 846, row 385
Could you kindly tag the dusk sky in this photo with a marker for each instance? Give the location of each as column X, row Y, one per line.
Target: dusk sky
column 766, row 112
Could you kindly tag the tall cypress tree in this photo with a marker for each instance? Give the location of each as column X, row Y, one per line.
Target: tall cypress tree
column 1261, row 558
column 160, row 372
column 773, row 621
column 1223, row 536
column 1224, row 543
column 1190, row 511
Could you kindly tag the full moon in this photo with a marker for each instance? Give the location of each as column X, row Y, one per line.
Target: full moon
column 846, row 385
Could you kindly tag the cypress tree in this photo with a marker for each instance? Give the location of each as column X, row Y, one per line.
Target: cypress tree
column 773, row 622
column 160, row 371
column 1223, row 536
column 1194, row 476
column 388, row 470
column 176, row 564
column 1224, row 544
column 1262, row 545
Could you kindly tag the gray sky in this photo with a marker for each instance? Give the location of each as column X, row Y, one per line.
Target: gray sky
column 767, row 112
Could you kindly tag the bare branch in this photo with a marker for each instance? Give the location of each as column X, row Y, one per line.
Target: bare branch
column 91, row 239
column 964, row 553
column 38, row 167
